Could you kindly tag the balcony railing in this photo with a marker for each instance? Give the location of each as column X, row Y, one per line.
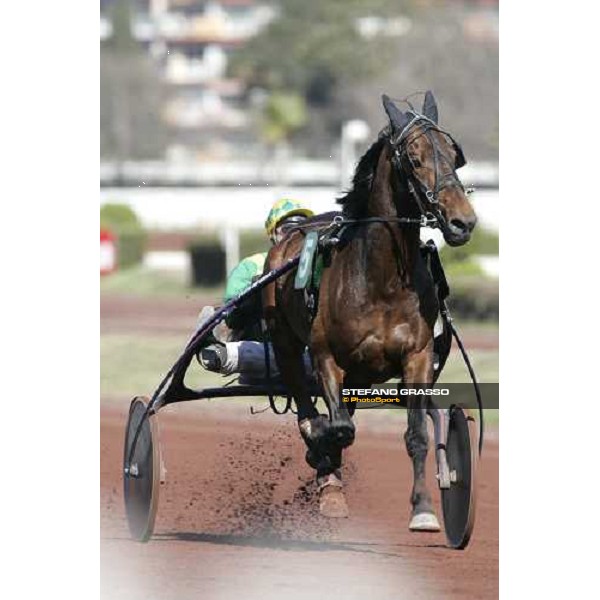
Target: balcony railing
column 299, row 171
column 213, row 26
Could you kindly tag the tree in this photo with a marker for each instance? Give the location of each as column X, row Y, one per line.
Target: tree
column 132, row 95
column 282, row 115
column 312, row 46
column 314, row 49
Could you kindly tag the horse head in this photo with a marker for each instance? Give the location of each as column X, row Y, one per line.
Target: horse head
column 426, row 159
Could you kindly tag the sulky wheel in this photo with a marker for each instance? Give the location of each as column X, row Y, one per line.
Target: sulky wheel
column 458, row 501
column 141, row 476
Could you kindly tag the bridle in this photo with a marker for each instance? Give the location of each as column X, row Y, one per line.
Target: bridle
column 427, row 199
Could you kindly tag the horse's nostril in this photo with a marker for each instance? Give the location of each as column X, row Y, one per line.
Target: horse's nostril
column 460, row 225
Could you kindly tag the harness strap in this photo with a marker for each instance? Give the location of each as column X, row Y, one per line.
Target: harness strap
column 339, row 221
column 443, row 291
column 288, row 404
column 448, row 320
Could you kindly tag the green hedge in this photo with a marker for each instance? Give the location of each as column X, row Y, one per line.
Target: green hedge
column 131, row 246
column 123, row 222
column 482, row 242
column 472, row 294
column 119, row 216
column 474, row 297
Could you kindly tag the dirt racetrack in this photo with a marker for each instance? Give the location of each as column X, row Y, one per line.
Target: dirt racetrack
column 177, row 315
column 237, row 517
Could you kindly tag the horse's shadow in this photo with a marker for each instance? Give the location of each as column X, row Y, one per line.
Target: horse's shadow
column 275, row 542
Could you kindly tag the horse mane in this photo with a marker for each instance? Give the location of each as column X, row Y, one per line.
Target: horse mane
column 354, row 201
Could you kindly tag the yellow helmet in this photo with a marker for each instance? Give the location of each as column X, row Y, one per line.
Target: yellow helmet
column 282, row 209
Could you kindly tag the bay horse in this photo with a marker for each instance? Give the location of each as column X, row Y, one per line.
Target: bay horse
column 376, row 304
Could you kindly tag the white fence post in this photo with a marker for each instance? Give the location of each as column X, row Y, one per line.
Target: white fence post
column 232, row 247
column 353, row 133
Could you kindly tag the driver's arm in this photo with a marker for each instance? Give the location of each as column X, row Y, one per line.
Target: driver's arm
column 239, row 280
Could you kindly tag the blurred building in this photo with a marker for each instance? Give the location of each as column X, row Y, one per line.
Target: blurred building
column 449, row 46
column 190, row 41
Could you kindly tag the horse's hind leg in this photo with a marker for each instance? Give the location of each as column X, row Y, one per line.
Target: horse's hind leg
column 315, row 431
column 342, row 427
column 332, row 501
column 289, row 354
column 418, row 368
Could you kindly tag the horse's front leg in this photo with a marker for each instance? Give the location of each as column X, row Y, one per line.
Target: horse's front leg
column 418, row 369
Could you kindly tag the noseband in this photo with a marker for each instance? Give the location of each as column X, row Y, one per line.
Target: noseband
column 427, row 199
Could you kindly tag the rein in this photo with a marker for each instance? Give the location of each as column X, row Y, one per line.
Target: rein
column 422, row 221
column 339, row 221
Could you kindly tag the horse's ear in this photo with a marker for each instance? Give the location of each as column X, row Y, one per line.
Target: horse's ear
column 430, row 109
column 398, row 119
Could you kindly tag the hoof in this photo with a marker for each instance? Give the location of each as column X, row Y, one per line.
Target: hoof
column 342, row 435
column 424, row 522
column 332, row 503
column 314, row 430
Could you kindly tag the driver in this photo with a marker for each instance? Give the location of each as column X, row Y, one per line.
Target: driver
column 240, row 348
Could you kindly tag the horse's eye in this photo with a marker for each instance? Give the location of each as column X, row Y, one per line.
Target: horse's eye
column 416, row 162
